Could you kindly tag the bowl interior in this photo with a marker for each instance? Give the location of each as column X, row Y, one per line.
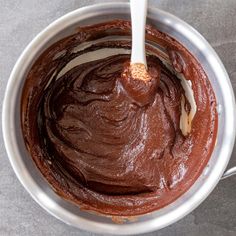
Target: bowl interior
column 68, row 212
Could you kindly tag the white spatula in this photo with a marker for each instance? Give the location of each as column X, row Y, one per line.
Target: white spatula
column 138, row 18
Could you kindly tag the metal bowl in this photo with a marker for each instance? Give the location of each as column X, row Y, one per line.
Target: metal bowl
column 32, row 179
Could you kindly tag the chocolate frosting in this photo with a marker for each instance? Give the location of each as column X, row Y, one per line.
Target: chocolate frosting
column 107, row 141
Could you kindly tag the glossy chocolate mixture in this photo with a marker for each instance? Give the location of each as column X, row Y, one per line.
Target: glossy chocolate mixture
column 107, row 141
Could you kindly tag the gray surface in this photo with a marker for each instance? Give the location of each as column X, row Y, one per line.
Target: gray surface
column 20, row 21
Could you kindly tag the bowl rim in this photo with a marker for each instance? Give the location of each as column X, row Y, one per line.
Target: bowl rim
column 80, row 222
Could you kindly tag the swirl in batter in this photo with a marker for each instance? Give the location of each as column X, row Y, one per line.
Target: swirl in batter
column 107, row 141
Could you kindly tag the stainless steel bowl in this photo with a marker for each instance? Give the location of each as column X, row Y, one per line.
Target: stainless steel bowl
column 33, row 181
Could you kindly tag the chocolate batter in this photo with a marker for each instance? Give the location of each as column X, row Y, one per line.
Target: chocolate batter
column 107, row 141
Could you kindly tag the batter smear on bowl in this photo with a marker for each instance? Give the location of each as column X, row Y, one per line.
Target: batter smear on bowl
column 107, row 141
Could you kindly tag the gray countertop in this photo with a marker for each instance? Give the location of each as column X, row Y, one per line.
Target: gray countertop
column 20, row 21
